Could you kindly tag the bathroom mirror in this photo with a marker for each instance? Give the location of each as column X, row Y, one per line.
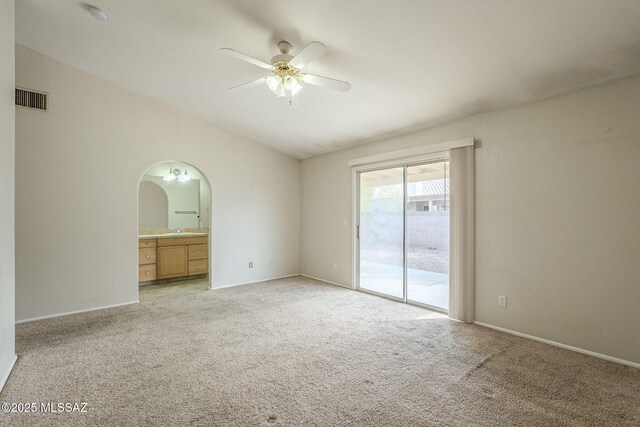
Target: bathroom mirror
column 172, row 195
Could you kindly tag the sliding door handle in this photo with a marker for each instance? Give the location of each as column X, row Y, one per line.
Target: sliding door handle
column 358, row 232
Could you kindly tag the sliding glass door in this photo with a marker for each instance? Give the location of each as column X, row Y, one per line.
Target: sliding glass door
column 427, row 213
column 403, row 233
column 381, row 231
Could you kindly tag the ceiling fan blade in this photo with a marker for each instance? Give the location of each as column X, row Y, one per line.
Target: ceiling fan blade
column 246, row 58
column 247, row 85
column 326, row 82
column 311, row 51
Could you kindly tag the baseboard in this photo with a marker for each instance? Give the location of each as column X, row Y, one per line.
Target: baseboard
column 50, row 316
column 5, row 377
column 565, row 346
column 255, row 281
column 326, row 281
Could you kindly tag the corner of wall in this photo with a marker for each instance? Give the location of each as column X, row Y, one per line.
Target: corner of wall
column 7, row 190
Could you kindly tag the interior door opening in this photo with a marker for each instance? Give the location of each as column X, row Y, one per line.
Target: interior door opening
column 174, row 221
column 403, row 233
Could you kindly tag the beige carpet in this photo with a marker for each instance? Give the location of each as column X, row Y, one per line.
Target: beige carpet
column 300, row 352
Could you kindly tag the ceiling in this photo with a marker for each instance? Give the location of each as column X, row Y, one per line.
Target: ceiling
column 411, row 63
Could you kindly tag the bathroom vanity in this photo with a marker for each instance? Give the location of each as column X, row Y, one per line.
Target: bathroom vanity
column 172, row 256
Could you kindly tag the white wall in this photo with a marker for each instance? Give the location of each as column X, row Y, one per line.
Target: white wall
column 7, row 205
column 557, row 215
column 76, row 238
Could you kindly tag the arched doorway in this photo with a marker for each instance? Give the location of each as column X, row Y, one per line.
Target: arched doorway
column 174, row 225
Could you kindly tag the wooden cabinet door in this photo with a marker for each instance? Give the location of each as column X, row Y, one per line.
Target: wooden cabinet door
column 172, row 261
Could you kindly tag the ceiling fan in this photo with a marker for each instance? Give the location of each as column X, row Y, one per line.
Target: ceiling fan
column 287, row 77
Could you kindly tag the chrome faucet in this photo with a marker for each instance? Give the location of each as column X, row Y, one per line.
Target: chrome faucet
column 176, row 230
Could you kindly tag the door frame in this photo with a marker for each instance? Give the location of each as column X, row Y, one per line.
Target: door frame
column 355, row 176
column 209, row 216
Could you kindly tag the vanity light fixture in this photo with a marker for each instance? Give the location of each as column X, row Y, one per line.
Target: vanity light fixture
column 185, row 177
column 176, row 174
column 171, row 176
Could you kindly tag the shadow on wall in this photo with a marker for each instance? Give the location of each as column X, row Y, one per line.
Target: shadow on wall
column 153, row 206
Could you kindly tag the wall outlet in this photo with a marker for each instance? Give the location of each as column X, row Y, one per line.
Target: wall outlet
column 250, row 264
column 502, row 301
column 335, row 266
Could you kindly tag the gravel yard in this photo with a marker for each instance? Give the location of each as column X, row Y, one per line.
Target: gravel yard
column 420, row 258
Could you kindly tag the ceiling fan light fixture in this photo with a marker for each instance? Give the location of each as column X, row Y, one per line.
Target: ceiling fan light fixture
column 296, row 89
column 287, row 79
column 273, row 82
column 290, row 83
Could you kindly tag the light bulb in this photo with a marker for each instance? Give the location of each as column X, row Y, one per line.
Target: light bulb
column 290, row 83
column 185, row 177
column 296, row 89
column 273, row 82
column 170, row 176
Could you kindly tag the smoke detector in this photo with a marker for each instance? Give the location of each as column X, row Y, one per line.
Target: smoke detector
column 99, row 14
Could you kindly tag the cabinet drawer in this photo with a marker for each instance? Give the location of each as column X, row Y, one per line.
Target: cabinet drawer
column 146, row 272
column 198, row 252
column 198, row 266
column 178, row 241
column 146, row 256
column 146, row 243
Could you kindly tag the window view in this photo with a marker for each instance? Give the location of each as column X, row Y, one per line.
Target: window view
column 428, row 234
column 381, row 231
column 395, row 226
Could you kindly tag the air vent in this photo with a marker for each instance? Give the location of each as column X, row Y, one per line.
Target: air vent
column 31, row 99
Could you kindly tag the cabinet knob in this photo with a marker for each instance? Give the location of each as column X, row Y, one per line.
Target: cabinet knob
column 147, row 256
column 197, row 252
column 146, row 272
column 198, row 267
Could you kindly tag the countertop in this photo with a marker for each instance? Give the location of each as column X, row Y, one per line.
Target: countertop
column 167, row 235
